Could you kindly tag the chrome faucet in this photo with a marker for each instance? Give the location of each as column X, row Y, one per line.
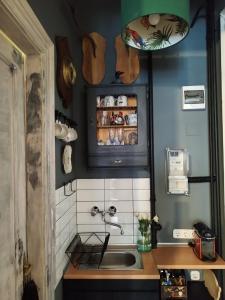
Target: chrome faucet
column 112, row 211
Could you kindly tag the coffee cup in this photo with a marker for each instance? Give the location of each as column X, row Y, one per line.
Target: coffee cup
column 122, row 100
column 109, row 101
column 132, row 119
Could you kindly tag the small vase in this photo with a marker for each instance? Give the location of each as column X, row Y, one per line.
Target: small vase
column 144, row 241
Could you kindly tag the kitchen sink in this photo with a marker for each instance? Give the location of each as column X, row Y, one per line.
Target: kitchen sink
column 115, row 259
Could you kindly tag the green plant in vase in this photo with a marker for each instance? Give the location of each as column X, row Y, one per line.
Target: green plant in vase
column 144, row 238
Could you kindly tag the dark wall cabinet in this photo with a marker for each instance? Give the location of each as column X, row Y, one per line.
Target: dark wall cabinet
column 111, row 290
column 117, row 126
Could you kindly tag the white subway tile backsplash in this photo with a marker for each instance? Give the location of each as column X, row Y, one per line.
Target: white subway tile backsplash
column 141, row 206
column 118, row 195
column 61, row 255
column 62, row 238
column 91, row 228
column 57, row 198
column 121, row 206
column 136, row 231
column 90, row 195
column 90, row 184
column 72, row 227
column 86, row 206
column 74, row 185
column 74, row 197
column 141, row 183
column 141, row 195
column 127, row 228
column 86, row 218
column 74, row 208
column 63, row 207
column 121, row 218
column 62, row 222
column 62, row 193
column 118, row 184
column 135, row 219
column 65, row 226
column 128, row 195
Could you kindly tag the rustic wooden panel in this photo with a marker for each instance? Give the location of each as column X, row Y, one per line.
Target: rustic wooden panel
column 19, row 22
column 12, row 175
column 35, row 203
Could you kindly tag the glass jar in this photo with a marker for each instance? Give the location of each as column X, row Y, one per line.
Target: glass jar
column 144, row 241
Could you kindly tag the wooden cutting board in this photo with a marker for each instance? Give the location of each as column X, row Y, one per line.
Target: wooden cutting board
column 127, row 61
column 94, row 65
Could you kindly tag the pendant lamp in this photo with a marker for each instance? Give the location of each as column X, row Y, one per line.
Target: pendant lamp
column 154, row 24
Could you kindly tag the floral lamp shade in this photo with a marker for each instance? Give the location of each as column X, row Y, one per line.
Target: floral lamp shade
column 154, row 24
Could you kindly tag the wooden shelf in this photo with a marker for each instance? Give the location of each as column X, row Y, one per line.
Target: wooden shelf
column 116, row 126
column 116, row 108
column 183, row 258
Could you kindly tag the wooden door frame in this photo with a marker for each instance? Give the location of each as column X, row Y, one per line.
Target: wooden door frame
column 19, row 23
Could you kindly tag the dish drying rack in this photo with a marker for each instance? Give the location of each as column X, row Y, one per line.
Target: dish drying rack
column 85, row 245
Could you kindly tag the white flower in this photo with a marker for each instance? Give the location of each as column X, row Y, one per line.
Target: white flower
column 156, row 219
column 143, row 216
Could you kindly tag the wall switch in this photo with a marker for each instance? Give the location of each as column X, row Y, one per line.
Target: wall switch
column 195, row 275
column 183, row 234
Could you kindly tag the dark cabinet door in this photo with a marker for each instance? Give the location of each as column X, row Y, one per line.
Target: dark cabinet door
column 117, row 126
column 111, row 290
column 120, row 295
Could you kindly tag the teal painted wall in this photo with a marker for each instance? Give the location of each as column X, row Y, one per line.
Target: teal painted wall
column 54, row 18
column 181, row 65
column 102, row 17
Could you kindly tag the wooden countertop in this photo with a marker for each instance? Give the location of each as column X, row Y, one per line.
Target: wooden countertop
column 175, row 257
column 183, row 258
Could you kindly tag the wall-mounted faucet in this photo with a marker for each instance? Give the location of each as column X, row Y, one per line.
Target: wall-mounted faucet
column 111, row 212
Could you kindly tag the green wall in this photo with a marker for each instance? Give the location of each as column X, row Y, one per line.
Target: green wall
column 181, row 65
column 54, row 18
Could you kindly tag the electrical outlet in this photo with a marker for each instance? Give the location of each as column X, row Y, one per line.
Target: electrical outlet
column 183, row 234
column 195, row 275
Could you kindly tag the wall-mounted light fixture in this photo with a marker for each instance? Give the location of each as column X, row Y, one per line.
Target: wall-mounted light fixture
column 154, row 24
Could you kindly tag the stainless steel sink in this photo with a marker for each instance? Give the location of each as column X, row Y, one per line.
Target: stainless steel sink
column 117, row 259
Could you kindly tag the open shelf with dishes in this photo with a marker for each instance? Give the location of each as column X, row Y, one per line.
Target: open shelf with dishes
column 117, row 125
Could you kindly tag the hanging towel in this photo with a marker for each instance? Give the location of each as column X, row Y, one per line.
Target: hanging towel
column 30, row 291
